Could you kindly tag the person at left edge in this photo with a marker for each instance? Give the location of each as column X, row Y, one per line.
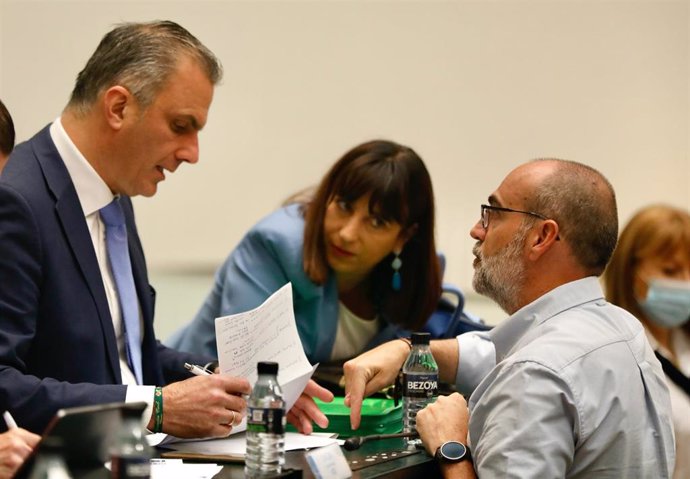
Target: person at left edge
column 16, row 444
column 134, row 114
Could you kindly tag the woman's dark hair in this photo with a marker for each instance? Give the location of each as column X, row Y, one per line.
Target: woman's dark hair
column 400, row 190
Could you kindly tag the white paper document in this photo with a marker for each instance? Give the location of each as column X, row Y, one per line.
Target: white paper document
column 176, row 469
column 237, row 445
column 266, row 333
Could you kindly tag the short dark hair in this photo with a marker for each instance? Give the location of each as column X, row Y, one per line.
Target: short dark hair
column 140, row 57
column 6, row 130
column 400, row 189
column 583, row 203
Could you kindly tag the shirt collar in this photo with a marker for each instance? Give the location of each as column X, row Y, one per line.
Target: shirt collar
column 92, row 191
column 507, row 334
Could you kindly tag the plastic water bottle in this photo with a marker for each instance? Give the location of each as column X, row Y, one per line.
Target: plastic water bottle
column 131, row 454
column 265, row 425
column 49, row 463
column 420, row 382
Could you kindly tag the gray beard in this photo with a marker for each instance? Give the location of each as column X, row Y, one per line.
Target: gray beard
column 502, row 276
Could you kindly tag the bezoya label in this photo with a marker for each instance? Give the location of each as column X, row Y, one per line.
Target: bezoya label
column 270, row 420
column 420, row 385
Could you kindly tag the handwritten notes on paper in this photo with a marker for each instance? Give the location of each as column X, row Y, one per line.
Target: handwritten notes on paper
column 267, row 333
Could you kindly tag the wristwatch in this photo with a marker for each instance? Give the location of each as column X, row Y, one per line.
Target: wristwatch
column 452, row 451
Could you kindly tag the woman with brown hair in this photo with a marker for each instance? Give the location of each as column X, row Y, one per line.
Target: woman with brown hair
column 649, row 275
column 360, row 255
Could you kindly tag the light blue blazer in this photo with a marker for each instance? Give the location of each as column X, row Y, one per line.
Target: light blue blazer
column 268, row 257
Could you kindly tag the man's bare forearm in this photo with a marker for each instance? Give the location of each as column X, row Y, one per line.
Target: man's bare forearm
column 445, row 353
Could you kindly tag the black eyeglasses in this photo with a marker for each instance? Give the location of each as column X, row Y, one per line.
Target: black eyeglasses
column 487, row 208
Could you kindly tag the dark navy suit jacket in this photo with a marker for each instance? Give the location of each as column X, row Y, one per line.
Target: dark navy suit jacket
column 57, row 341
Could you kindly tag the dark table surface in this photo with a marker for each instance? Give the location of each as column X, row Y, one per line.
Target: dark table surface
column 385, row 458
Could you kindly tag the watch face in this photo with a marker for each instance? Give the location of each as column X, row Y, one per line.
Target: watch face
column 453, row 450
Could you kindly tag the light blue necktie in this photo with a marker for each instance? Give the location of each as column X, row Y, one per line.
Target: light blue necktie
column 121, row 267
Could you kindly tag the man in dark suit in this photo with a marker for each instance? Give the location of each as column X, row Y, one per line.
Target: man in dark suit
column 135, row 113
column 17, row 443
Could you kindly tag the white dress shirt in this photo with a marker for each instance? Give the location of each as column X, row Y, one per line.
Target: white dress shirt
column 680, row 401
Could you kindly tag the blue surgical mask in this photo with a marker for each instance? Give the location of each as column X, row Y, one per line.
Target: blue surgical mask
column 668, row 302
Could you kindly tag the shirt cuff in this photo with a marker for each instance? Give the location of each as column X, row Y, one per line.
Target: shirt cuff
column 142, row 394
column 476, row 357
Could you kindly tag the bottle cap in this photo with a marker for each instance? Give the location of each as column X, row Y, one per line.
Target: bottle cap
column 267, row 367
column 420, row 338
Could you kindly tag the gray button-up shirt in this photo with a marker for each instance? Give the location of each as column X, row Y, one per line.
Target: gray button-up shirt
column 576, row 392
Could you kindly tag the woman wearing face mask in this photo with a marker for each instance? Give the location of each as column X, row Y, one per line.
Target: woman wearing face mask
column 649, row 275
column 360, row 255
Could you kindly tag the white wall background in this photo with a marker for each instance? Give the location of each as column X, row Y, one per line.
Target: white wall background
column 475, row 87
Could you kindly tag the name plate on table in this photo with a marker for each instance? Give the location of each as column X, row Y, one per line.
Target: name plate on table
column 328, row 463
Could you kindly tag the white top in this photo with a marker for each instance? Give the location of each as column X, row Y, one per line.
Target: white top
column 576, row 392
column 353, row 334
column 680, row 401
column 93, row 195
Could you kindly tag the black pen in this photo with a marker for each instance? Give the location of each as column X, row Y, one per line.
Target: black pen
column 201, row 371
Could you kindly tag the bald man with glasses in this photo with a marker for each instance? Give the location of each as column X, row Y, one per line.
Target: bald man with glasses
column 567, row 385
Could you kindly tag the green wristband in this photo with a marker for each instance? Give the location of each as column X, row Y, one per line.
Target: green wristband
column 158, row 410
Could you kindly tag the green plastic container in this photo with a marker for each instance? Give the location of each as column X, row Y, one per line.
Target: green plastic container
column 379, row 416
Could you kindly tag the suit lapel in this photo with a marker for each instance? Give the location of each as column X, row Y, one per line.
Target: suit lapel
column 71, row 218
